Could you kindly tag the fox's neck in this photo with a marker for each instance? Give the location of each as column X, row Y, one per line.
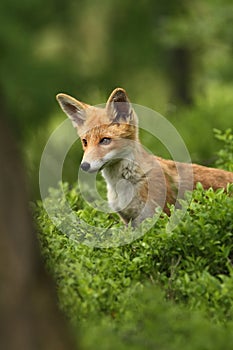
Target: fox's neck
column 127, row 168
column 122, row 169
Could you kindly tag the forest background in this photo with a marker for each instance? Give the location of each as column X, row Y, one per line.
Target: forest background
column 173, row 57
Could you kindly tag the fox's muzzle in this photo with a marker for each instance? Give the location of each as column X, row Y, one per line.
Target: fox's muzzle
column 85, row 166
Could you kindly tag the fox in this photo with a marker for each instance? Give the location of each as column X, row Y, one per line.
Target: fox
column 138, row 182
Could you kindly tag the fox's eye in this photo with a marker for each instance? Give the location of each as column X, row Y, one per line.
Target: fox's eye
column 84, row 141
column 105, row 141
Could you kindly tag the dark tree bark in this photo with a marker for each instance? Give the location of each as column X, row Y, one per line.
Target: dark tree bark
column 29, row 316
column 181, row 74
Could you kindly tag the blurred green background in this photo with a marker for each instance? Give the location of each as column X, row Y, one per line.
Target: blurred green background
column 172, row 56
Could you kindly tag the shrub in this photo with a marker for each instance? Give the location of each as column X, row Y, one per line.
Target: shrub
column 107, row 288
column 153, row 323
column 225, row 155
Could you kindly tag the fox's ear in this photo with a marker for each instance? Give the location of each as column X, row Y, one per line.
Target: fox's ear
column 119, row 107
column 74, row 109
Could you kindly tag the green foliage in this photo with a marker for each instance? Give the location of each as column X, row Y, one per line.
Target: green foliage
column 192, row 263
column 68, row 47
column 225, row 155
column 156, row 324
column 162, row 289
column 115, row 290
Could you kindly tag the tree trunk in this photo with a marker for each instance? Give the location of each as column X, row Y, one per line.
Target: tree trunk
column 181, row 74
column 29, row 316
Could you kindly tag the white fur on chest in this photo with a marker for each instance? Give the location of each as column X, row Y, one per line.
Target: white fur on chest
column 122, row 179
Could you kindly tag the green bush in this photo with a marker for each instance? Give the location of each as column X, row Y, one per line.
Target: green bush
column 225, row 155
column 114, row 291
column 156, row 324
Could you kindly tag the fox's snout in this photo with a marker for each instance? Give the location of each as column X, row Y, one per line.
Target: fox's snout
column 92, row 166
column 85, row 166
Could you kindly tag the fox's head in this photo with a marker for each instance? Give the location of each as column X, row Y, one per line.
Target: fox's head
column 107, row 134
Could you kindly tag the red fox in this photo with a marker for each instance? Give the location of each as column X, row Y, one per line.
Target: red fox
column 137, row 181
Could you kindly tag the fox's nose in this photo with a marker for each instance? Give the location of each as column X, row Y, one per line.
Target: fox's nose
column 85, row 166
